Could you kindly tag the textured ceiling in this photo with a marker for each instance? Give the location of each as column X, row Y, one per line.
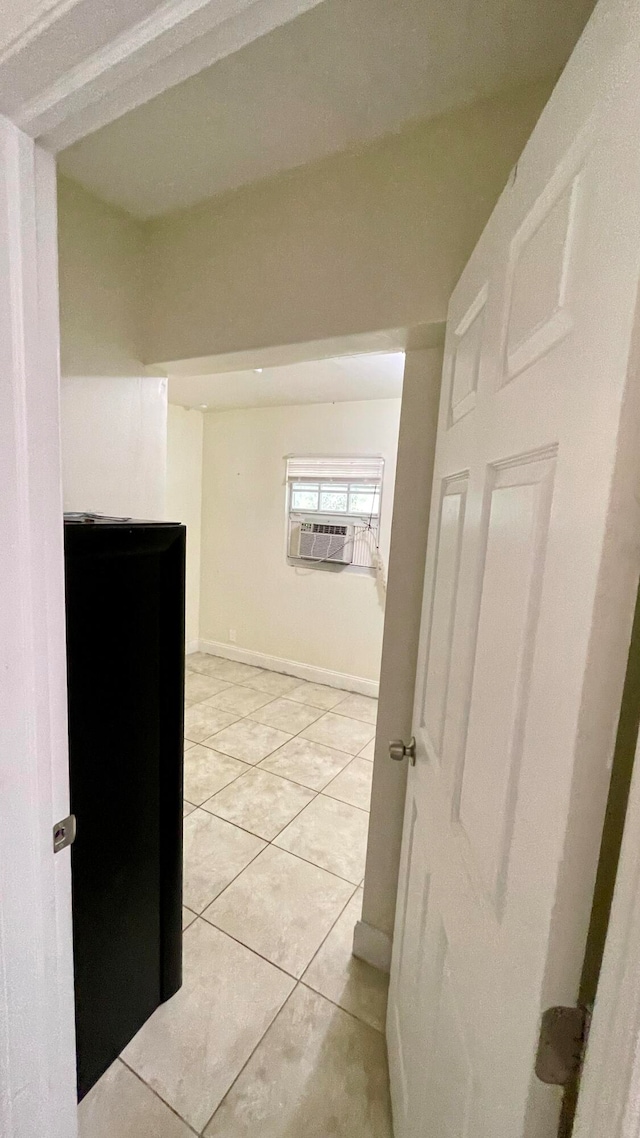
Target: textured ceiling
column 338, row 380
column 16, row 16
column 339, row 76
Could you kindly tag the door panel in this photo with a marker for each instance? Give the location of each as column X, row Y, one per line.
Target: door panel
column 538, row 285
column 445, row 589
column 531, row 576
column 465, row 358
column 452, row 1088
column 519, row 497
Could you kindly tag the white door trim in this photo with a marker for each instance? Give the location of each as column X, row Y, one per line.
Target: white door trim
column 37, row 1048
column 176, row 39
column 609, row 1101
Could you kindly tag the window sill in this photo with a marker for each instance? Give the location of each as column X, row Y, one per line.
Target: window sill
column 328, row 567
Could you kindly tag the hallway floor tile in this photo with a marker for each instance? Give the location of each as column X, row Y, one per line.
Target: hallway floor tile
column 277, row 1030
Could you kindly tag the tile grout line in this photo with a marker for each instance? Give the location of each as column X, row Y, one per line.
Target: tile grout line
column 157, row 1094
column 317, row 793
column 240, row 1072
column 248, row 715
column 279, row 968
column 258, row 767
column 355, row 884
column 297, row 981
column 268, row 671
column 282, row 849
column 323, row 942
column 347, row 1012
column 269, row 841
column 254, row 951
column 321, row 713
column 200, row 805
column 283, row 695
column 296, row 735
column 273, row 753
column 289, row 975
column 201, row 911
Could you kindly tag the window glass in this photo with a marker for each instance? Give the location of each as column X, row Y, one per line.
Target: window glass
column 304, row 496
column 334, row 498
column 364, row 501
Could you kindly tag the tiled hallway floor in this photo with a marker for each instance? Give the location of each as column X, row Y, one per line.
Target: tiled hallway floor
column 277, row 1031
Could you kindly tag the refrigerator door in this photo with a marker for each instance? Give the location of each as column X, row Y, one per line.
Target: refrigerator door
column 125, row 647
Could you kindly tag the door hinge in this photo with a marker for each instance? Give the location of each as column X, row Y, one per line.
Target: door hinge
column 562, row 1044
column 64, row 833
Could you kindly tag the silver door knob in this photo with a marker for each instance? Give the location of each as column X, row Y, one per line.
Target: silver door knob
column 399, row 750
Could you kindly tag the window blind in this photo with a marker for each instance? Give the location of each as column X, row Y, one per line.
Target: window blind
column 341, row 468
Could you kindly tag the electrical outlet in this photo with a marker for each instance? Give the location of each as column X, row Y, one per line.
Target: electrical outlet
column 232, row 635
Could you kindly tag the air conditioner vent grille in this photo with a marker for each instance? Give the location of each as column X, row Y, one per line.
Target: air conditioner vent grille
column 320, row 527
column 323, row 541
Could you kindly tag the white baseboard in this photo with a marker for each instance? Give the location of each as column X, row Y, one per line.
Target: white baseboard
column 372, row 945
column 291, row 668
column 192, row 646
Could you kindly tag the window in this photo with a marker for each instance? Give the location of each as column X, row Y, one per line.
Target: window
column 334, row 490
column 336, row 497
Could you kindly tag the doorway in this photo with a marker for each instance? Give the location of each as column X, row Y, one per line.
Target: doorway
column 279, row 732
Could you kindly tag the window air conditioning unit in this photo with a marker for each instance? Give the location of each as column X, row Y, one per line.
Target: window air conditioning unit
column 321, row 541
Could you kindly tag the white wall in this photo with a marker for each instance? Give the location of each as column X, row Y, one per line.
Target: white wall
column 329, row 620
column 184, row 500
column 362, row 241
column 114, row 445
column 113, row 415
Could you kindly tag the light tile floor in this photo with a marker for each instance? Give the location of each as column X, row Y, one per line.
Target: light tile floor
column 277, row 1030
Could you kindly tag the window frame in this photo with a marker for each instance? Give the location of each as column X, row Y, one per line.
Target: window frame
column 350, row 488
column 367, row 521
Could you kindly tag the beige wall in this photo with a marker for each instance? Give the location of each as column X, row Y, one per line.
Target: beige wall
column 355, row 243
column 324, row 619
column 101, row 285
column 113, row 416
column 184, row 500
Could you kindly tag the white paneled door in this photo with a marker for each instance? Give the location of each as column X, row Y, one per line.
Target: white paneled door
column 532, row 569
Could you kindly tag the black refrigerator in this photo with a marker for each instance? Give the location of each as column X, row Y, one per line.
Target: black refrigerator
column 125, row 653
